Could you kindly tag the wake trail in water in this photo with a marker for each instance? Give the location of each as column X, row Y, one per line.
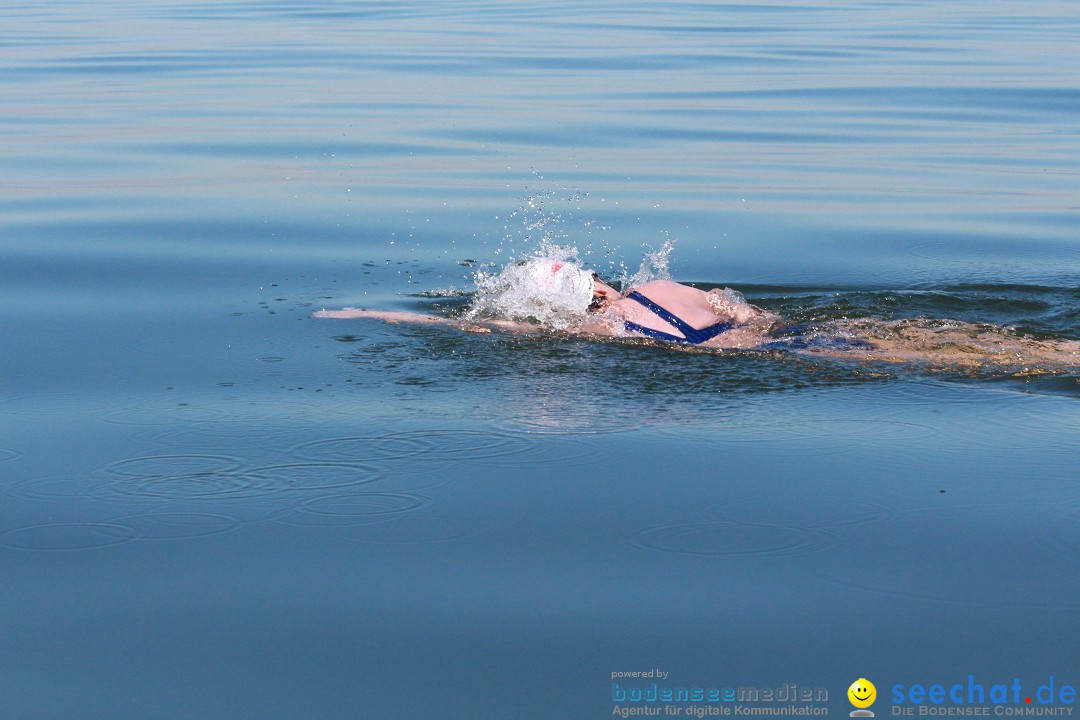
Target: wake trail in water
column 949, row 345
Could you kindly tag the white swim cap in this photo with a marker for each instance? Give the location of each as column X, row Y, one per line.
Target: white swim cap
column 566, row 281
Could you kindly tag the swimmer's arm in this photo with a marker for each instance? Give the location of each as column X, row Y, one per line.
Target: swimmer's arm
column 605, row 325
column 598, row 325
column 392, row 316
column 387, row 315
column 724, row 306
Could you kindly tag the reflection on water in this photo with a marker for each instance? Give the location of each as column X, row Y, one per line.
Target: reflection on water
column 244, row 512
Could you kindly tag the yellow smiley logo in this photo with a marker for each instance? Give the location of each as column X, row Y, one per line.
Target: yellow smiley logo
column 862, row 693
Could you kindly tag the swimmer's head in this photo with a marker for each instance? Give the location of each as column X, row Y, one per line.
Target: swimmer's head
column 602, row 294
column 554, row 293
column 562, row 282
column 547, row 290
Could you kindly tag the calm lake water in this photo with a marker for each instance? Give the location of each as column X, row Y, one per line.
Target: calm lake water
column 215, row 506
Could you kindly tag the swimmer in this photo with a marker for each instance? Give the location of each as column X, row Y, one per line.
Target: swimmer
column 577, row 301
column 548, row 295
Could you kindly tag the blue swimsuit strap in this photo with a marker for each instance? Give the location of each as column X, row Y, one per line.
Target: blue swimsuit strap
column 690, row 335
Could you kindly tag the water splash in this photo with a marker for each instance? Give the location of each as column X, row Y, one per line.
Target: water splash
column 654, row 266
column 542, row 228
column 513, row 294
column 543, row 219
column 539, row 229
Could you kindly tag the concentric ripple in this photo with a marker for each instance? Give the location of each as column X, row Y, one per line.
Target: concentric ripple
column 364, row 504
column 413, row 530
column 213, row 436
column 318, row 475
column 200, row 485
column 169, row 465
column 160, row 414
column 431, row 446
column 364, row 447
column 187, row 477
column 807, row 513
column 68, row 536
column 362, row 508
column 57, row 488
column 55, row 405
column 176, row 525
column 730, row 538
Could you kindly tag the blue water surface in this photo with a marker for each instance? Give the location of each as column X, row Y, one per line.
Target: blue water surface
column 215, row 506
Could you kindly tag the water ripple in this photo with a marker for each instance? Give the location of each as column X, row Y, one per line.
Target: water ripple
column 806, row 513
column 428, row 529
column 164, row 414
column 67, row 536
column 55, row 405
column 731, row 538
column 351, row 509
column 204, row 485
column 318, row 475
column 176, row 525
column 434, row 446
column 58, row 488
column 169, row 465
